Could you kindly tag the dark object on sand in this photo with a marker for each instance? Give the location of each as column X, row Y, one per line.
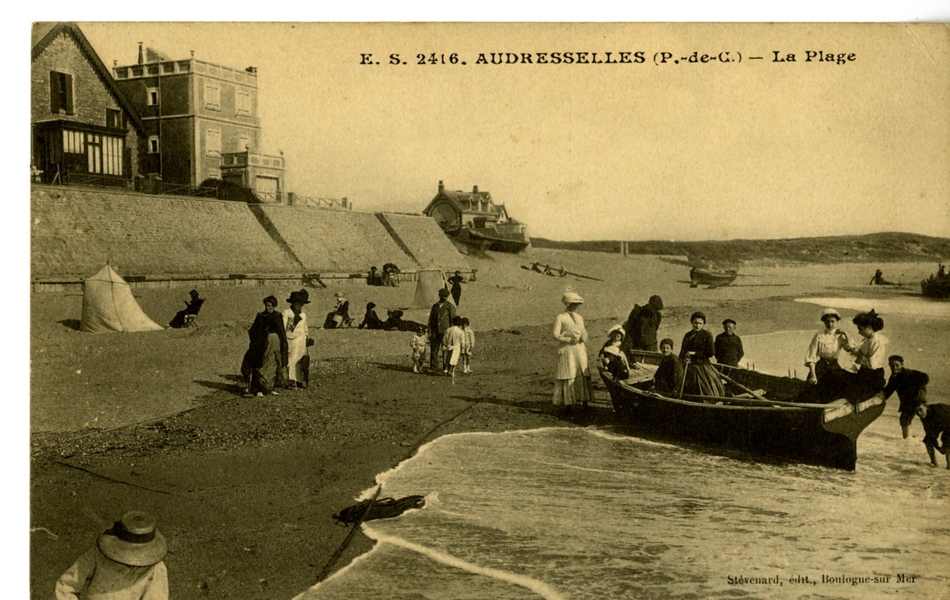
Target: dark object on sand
column 384, row 508
column 711, row 277
column 768, row 421
column 186, row 317
column 395, row 322
column 878, row 279
column 938, row 285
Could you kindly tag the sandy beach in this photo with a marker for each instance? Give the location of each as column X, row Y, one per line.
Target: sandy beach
column 245, row 488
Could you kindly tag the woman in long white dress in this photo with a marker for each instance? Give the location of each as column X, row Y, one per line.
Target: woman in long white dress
column 572, row 382
column 295, row 324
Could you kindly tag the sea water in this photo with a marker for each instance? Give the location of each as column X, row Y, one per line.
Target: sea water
column 592, row 513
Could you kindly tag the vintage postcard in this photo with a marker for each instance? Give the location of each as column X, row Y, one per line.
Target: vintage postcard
column 489, row 310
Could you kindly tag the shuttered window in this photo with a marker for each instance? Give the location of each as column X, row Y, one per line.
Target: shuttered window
column 60, row 92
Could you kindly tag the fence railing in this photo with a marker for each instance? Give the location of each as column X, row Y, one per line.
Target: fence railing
column 321, row 202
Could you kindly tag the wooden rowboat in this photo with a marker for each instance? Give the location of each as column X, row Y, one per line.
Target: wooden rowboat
column 772, row 423
column 711, row 277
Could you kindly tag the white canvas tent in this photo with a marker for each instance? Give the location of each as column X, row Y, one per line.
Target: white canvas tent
column 428, row 283
column 108, row 305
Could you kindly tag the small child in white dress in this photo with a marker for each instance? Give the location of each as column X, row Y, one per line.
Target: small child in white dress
column 452, row 346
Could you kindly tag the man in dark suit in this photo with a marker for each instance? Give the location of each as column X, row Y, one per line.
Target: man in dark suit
column 440, row 319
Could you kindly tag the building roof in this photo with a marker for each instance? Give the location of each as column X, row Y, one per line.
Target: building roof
column 467, row 202
column 44, row 33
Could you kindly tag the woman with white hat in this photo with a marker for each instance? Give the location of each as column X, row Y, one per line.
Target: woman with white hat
column 572, row 382
column 824, row 352
column 125, row 564
column 611, row 358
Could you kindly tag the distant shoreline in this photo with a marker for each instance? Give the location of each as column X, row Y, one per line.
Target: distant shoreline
column 875, row 247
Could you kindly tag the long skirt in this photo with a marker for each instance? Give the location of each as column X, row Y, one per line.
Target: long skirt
column 573, row 391
column 296, row 349
column 264, row 377
column 702, row 379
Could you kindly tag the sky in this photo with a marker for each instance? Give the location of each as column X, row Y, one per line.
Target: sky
column 750, row 149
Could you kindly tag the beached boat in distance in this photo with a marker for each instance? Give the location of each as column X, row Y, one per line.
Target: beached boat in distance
column 769, row 423
column 711, row 277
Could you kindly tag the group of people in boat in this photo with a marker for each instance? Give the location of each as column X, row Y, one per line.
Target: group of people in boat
column 838, row 367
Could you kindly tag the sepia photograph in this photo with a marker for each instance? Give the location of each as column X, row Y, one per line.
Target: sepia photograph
column 488, row 310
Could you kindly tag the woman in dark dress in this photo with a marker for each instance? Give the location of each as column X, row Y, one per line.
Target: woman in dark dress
column 700, row 377
column 371, row 320
column 266, row 355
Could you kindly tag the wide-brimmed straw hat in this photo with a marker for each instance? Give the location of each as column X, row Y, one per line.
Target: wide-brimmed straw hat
column 133, row 541
column 571, row 298
column 830, row 312
column 619, row 328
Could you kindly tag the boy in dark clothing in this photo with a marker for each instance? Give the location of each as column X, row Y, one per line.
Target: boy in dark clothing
column 911, row 388
column 936, row 420
column 668, row 378
column 728, row 345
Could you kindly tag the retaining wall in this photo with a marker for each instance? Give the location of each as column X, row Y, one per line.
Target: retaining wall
column 167, row 241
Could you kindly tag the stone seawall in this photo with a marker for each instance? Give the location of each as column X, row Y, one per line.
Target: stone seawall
column 170, row 241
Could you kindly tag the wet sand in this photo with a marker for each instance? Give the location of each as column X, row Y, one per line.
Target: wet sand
column 245, row 488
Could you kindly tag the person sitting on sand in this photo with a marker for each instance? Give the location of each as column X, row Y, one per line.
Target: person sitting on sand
column 728, row 345
column 125, row 564
column 668, row 378
column 870, row 358
column 374, row 278
column 911, row 388
column 878, row 279
column 700, row 377
column 610, row 358
column 371, row 320
column 936, row 420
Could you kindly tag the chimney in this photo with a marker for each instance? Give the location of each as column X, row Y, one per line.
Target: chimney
column 475, row 190
column 441, row 187
column 252, row 70
column 141, row 54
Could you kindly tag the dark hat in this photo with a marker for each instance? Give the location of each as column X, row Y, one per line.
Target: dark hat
column 728, row 321
column 302, row 297
column 443, row 293
column 133, row 541
column 895, row 358
column 656, row 302
column 271, row 300
column 370, row 305
column 193, row 292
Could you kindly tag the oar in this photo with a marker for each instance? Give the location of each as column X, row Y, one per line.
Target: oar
column 742, row 387
column 683, row 384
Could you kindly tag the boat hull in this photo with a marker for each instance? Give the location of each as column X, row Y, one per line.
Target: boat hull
column 824, row 435
column 711, row 278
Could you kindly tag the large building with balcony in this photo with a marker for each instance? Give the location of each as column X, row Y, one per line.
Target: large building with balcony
column 84, row 130
column 201, row 123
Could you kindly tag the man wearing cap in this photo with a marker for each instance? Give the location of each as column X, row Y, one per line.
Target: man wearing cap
column 125, row 564
column 911, row 388
column 440, row 319
column 728, row 345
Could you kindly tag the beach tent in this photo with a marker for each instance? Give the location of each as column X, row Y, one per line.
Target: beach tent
column 108, row 305
column 428, row 283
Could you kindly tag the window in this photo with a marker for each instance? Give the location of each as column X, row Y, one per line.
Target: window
column 213, row 142
column 151, row 98
column 153, row 144
column 243, row 103
column 212, row 96
column 60, row 93
column 243, row 143
column 104, row 154
column 114, row 119
column 74, row 142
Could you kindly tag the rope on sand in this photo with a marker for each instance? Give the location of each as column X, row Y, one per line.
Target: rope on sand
column 114, row 480
column 369, row 506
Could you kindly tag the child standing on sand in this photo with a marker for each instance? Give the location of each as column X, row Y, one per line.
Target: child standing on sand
column 420, row 348
column 468, row 344
column 452, row 346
